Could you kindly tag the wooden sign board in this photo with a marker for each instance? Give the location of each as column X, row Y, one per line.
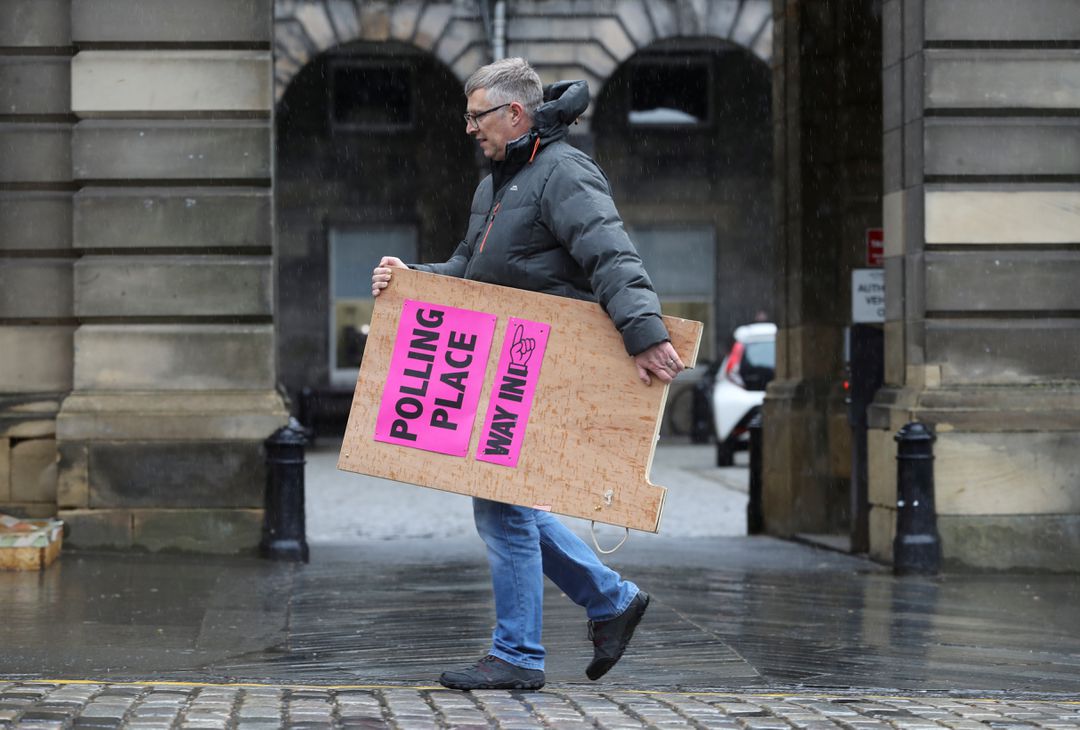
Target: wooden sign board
column 588, row 444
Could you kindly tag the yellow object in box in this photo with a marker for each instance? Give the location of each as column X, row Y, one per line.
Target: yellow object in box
column 29, row 544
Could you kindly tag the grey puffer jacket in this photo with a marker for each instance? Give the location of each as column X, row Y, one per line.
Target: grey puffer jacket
column 546, row 222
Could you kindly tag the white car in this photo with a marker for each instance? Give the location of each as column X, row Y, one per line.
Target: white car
column 739, row 389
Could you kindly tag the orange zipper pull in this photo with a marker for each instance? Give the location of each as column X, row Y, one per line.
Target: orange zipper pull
column 491, row 222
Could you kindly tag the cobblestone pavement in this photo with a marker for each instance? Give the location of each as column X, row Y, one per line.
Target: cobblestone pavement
column 162, row 706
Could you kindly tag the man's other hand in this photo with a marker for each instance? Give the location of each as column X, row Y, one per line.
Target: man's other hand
column 380, row 277
column 660, row 360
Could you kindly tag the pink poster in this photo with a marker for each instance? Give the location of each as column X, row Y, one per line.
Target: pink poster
column 513, row 391
column 436, row 374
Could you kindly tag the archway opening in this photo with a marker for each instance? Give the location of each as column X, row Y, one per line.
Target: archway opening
column 684, row 130
column 370, row 161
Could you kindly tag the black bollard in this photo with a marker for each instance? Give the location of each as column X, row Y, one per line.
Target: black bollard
column 917, row 547
column 283, row 535
column 755, row 520
column 703, row 428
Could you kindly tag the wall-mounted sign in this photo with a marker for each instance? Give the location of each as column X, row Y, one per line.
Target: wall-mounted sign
column 875, row 246
column 867, row 295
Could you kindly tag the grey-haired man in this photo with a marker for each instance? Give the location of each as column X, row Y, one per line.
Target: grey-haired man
column 544, row 220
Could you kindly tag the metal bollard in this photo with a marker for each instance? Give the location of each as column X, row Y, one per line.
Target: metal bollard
column 755, row 519
column 283, row 534
column 917, row 547
column 702, row 427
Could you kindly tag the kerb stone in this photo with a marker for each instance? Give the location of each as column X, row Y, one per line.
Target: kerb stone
column 198, row 530
column 97, row 528
column 1011, row 542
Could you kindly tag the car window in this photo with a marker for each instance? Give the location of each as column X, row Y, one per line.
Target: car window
column 760, row 355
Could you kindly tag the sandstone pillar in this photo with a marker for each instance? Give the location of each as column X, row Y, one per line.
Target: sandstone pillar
column 174, row 371
column 36, row 315
column 982, row 222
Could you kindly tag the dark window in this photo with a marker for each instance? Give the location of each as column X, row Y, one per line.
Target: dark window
column 761, row 354
column 371, row 97
column 758, row 365
column 668, row 92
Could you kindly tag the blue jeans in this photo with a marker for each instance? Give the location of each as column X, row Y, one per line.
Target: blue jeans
column 524, row 545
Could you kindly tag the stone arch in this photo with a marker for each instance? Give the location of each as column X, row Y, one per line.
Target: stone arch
column 712, row 179
column 561, row 41
column 575, row 41
column 451, row 31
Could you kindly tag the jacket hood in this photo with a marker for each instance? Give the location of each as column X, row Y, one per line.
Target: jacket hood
column 564, row 102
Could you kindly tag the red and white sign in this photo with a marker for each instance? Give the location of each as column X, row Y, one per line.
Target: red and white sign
column 875, row 246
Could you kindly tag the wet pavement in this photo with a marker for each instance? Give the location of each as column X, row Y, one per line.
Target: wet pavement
column 742, row 632
column 727, row 613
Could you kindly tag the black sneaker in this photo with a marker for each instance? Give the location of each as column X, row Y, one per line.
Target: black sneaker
column 610, row 637
column 493, row 673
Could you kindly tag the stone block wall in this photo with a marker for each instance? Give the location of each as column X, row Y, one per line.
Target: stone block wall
column 173, row 378
column 982, row 220
column 36, row 254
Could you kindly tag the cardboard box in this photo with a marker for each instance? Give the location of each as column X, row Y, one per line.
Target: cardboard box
column 29, row 544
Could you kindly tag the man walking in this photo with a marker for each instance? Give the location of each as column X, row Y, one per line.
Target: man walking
column 544, row 220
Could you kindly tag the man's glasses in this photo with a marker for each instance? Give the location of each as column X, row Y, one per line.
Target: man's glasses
column 472, row 120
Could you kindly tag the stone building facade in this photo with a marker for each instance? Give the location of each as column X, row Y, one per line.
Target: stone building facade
column 981, row 211
column 185, row 193
column 344, row 185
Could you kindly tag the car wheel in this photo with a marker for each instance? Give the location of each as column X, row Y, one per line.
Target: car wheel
column 725, row 453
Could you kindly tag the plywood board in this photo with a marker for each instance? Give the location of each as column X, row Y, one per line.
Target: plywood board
column 592, row 427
